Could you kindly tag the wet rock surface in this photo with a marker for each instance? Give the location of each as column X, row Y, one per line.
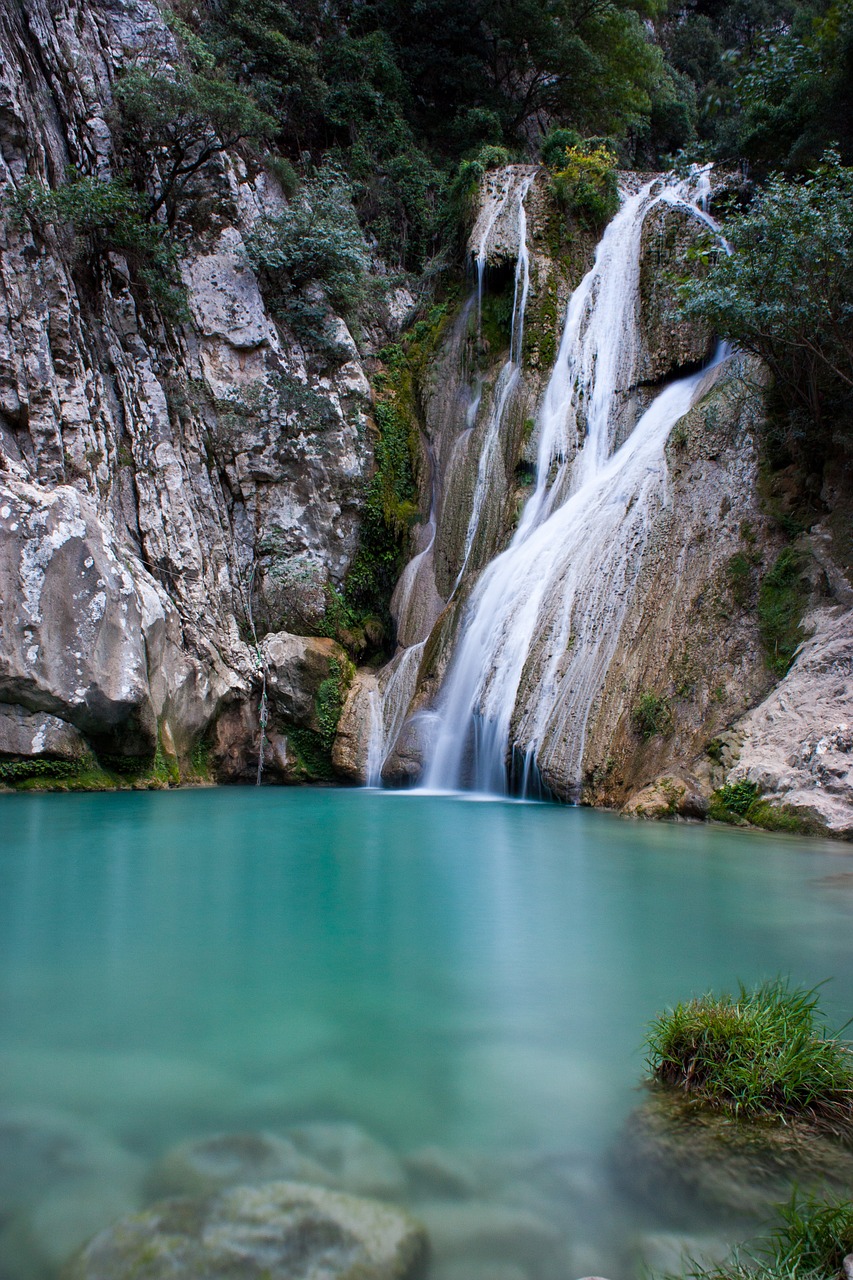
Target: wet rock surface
column 280, row 1231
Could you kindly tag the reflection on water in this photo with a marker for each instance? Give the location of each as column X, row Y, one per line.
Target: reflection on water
column 473, row 979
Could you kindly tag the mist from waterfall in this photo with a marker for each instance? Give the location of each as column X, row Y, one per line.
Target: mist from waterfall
column 544, row 619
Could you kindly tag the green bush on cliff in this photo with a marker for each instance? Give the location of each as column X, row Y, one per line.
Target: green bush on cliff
column 316, row 240
column 764, row 1053
column 584, row 183
column 105, row 216
column 651, row 715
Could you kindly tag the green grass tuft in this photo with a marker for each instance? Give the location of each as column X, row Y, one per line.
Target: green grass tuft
column 763, row 1054
column 811, row 1242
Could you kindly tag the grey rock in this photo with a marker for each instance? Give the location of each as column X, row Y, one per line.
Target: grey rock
column 279, row 1231
column 797, row 745
column 26, row 733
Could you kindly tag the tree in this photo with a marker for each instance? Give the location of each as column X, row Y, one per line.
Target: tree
column 172, row 123
column 786, row 291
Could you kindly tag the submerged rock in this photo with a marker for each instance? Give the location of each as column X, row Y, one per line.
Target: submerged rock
column 682, row 1157
column 281, row 1231
column 476, row 1232
column 360, row 1163
column 224, row 1160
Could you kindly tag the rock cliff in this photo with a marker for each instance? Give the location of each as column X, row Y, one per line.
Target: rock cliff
column 166, row 484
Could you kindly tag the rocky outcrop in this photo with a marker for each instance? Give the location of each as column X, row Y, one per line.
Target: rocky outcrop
column 669, row 342
column 281, row 1230
column 797, row 745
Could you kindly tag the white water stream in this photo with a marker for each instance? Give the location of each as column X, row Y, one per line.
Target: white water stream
column 391, row 696
column 544, row 619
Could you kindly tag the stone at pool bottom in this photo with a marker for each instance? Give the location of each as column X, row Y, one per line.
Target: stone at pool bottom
column 278, row 1231
column 204, row 1165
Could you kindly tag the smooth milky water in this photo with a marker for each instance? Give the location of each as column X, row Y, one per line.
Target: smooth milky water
column 476, row 976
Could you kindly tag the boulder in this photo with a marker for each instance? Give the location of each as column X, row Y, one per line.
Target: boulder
column 667, row 797
column 279, row 1231
column 479, row 1231
column 682, row 1157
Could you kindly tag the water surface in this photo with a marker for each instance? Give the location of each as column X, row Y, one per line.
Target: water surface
column 435, row 969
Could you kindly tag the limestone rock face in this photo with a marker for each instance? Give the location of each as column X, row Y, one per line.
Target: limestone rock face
column 71, row 639
column 160, row 479
column 281, row 1231
column 797, row 745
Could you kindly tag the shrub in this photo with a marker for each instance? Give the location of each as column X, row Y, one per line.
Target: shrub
column 104, row 217
column 765, row 1053
column 317, row 239
column 171, row 124
column 651, row 715
column 585, row 184
column 736, row 797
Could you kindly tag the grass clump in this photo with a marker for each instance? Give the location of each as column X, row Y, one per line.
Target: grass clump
column 765, row 1054
column 810, row 1243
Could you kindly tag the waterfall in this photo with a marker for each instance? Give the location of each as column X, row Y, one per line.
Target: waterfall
column 507, row 379
column 391, row 695
column 544, row 619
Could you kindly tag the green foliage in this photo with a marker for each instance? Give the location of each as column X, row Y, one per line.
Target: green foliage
column 765, row 1053
column 463, row 189
column 585, row 183
column 740, row 575
column 812, row 1239
column 311, row 754
column 12, row 771
column 172, row 124
column 734, row 798
column 786, row 294
column 317, row 240
column 651, row 715
column 781, row 604
column 105, row 216
column 330, row 700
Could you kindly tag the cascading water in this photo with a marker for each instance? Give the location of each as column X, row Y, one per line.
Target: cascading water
column 507, row 380
column 544, row 619
column 391, row 695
